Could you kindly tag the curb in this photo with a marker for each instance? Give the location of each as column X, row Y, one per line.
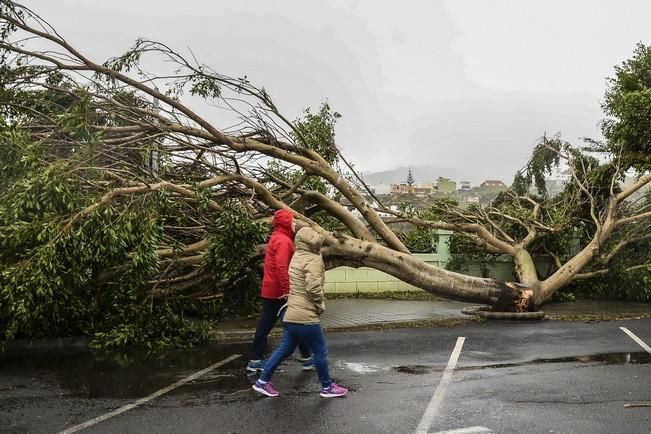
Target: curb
column 487, row 313
column 246, row 336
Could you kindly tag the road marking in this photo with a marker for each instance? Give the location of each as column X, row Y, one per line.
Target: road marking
column 636, row 339
column 148, row 398
column 469, row 430
column 435, row 402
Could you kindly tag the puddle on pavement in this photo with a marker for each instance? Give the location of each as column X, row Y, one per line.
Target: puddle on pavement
column 413, row 369
column 133, row 373
column 360, row 368
column 640, row 358
column 137, row 373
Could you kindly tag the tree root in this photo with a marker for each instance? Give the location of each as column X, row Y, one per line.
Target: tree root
column 486, row 313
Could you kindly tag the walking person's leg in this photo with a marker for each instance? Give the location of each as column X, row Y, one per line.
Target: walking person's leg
column 313, row 336
column 304, row 350
column 305, row 354
column 285, row 348
column 267, row 320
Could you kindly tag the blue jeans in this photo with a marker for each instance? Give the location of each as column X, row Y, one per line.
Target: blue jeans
column 310, row 334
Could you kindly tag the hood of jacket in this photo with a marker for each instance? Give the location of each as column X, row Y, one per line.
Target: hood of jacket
column 309, row 240
column 282, row 222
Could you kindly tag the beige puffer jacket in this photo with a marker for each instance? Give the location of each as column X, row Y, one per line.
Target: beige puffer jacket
column 306, row 275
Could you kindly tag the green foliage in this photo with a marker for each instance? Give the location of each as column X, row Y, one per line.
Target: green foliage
column 292, row 176
column 79, row 257
column 18, row 155
column 7, row 27
column 130, row 59
column 78, row 118
column 463, row 250
column 419, row 239
column 628, row 107
column 204, row 86
column 234, row 241
column 92, row 277
column 544, row 157
column 617, row 285
column 316, row 131
column 629, row 272
column 568, row 294
column 162, row 327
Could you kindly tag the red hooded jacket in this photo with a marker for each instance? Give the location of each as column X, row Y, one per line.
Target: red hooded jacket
column 275, row 283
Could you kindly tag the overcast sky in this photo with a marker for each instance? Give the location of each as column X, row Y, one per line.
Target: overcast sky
column 467, row 86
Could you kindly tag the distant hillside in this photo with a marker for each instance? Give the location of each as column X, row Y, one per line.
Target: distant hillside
column 422, row 174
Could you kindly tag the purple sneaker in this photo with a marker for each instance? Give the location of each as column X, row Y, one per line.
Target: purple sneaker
column 266, row 388
column 333, row 391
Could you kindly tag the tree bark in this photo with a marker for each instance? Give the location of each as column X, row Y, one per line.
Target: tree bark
column 525, row 269
column 343, row 250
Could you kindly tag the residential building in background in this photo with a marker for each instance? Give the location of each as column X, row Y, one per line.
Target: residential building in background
column 445, row 185
column 401, row 188
column 424, row 189
column 493, row 183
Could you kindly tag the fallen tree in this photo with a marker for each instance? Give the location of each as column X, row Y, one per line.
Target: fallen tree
column 118, row 191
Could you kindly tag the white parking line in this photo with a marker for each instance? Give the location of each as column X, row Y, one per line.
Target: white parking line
column 636, row 339
column 148, row 398
column 435, row 402
column 469, row 430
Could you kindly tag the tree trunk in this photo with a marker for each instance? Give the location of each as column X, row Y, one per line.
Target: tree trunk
column 525, row 269
column 341, row 250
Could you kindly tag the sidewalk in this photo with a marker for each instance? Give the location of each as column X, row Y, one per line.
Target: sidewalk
column 356, row 312
column 364, row 314
column 359, row 313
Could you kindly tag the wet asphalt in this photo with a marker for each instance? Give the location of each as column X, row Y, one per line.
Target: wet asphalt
column 538, row 377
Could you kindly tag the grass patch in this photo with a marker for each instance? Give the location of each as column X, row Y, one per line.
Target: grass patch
column 386, row 295
column 403, row 325
column 590, row 317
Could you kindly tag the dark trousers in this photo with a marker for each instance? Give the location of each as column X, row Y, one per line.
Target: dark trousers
column 268, row 318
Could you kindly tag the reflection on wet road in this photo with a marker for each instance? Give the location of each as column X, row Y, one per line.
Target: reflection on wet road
column 129, row 374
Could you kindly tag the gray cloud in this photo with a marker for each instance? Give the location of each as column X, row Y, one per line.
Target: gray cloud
column 467, row 85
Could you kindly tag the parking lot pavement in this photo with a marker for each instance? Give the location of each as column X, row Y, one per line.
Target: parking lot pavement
column 582, row 386
column 508, row 378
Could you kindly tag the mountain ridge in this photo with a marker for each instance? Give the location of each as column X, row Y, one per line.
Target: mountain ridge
column 422, row 174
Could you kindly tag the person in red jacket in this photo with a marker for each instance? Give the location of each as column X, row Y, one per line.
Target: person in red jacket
column 275, row 288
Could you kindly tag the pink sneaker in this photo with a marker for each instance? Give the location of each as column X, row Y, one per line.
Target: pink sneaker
column 333, row 391
column 266, row 388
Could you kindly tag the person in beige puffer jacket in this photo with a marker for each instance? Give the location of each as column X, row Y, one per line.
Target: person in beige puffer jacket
column 306, row 302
